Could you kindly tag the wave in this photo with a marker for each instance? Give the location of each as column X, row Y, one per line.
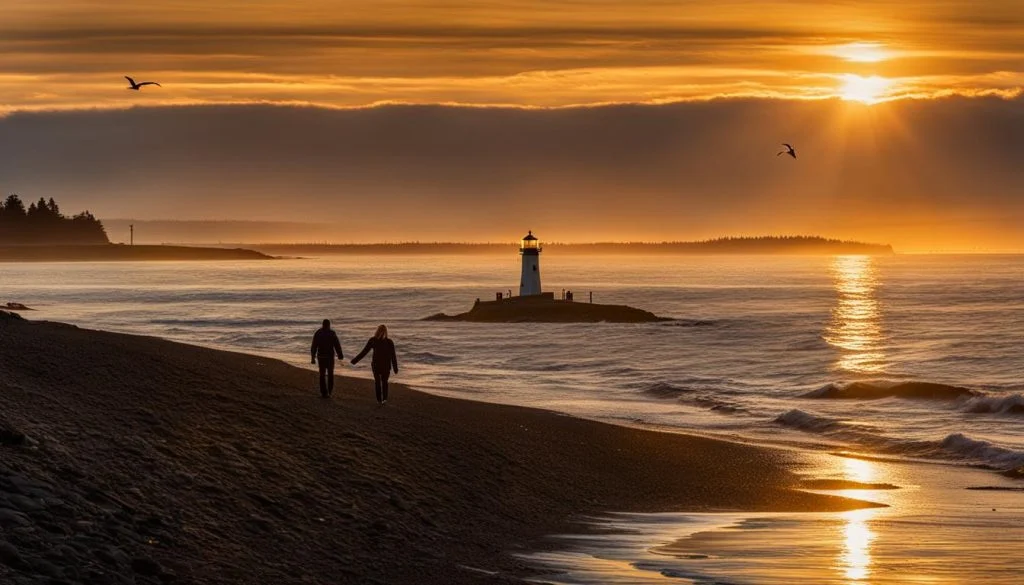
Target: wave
column 690, row 323
column 231, row 323
column 663, row 390
column 999, row 457
column 700, row 396
column 954, row 447
column 965, row 399
column 812, row 344
column 878, row 390
column 426, row 357
column 806, row 421
column 721, row 406
column 1012, row 404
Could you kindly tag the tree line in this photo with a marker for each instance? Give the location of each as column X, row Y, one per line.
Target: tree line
column 43, row 223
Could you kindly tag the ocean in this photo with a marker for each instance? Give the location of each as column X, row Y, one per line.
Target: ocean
column 905, row 358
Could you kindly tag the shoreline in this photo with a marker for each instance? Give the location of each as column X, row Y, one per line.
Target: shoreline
column 241, row 473
column 124, row 253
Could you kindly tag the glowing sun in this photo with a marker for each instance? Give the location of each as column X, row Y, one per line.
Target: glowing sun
column 867, row 90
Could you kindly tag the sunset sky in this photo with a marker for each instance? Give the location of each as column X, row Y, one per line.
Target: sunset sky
column 605, row 120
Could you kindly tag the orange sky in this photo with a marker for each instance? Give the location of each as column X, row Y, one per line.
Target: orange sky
column 72, row 53
column 912, row 140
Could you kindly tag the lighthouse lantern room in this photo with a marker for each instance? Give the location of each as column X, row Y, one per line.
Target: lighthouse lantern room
column 530, row 250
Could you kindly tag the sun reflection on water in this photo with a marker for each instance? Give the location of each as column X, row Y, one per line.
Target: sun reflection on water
column 855, row 559
column 858, row 470
column 855, row 327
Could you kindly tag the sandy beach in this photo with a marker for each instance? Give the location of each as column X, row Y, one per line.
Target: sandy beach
column 130, row 459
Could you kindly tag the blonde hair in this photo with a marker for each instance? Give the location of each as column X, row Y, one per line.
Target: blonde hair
column 382, row 332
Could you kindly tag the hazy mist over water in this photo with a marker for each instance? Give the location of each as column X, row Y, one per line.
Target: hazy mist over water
column 763, row 347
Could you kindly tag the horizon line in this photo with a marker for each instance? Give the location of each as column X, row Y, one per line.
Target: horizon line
column 1004, row 94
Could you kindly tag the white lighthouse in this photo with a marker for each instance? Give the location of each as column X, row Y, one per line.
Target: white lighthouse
column 529, row 283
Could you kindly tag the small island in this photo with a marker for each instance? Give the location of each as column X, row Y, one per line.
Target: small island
column 535, row 306
column 544, row 308
column 41, row 233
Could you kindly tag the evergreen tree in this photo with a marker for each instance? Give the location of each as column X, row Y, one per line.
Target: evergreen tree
column 13, row 207
column 43, row 223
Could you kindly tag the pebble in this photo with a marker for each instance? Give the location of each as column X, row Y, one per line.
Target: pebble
column 30, row 487
column 107, row 557
column 52, row 527
column 26, row 504
column 146, row 566
column 47, row 568
column 11, row 437
column 10, row 555
column 10, row 517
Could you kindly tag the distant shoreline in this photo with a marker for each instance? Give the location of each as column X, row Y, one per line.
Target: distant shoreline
column 782, row 246
column 123, row 253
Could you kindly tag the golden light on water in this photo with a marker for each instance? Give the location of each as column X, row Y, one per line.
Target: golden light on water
column 855, row 327
column 867, row 90
column 855, row 560
column 858, row 470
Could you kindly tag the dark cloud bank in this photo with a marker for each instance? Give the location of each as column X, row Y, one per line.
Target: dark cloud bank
column 912, row 173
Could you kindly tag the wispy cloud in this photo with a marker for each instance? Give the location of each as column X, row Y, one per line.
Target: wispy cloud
column 72, row 53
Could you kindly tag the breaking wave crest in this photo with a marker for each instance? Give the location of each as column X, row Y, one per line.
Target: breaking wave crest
column 1012, row 404
column 878, row 390
column 963, row 399
column 954, row 447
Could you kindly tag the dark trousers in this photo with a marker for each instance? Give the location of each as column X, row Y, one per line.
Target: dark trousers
column 326, row 374
column 380, row 384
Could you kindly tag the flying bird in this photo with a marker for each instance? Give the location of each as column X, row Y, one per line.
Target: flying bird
column 789, row 150
column 136, row 86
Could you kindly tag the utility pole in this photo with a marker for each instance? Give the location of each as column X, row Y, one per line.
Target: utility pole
column 131, row 237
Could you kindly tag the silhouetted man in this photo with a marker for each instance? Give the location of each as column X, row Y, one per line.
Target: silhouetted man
column 325, row 346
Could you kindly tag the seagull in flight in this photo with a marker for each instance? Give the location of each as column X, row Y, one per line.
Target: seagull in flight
column 136, row 86
column 789, row 150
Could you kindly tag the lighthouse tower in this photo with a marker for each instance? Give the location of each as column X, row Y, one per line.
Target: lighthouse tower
column 529, row 284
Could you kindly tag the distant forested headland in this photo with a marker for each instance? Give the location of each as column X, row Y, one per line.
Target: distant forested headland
column 794, row 245
column 42, row 223
column 41, row 233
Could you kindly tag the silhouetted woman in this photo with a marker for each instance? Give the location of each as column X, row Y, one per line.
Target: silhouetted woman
column 382, row 362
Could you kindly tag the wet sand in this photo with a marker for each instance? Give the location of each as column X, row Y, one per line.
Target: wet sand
column 132, row 459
